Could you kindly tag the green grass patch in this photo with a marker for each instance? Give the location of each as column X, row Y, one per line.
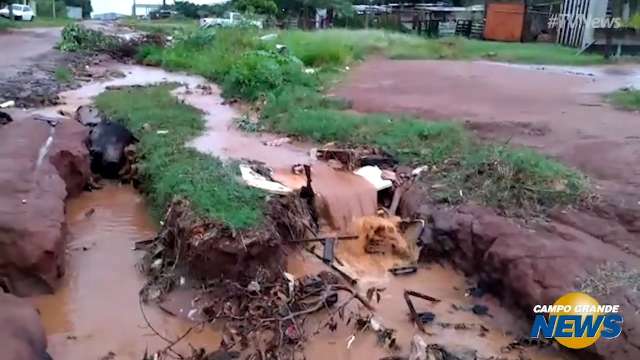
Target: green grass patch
column 63, row 74
column 515, row 181
column 626, row 99
column 249, row 68
column 340, row 46
column 169, row 168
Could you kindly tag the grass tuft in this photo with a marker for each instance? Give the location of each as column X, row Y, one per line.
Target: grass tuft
column 63, row 75
column 626, row 99
column 169, row 168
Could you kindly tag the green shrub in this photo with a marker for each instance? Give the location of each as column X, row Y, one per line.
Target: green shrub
column 257, row 73
column 63, row 74
column 78, row 38
column 626, row 99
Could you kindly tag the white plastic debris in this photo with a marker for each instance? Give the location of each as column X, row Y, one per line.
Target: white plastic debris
column 309, row 71
column 375, row 324
column 418, row 348
column 291, row 280
column 156, row 264
column 373, row 174
column 417, row 171
column 268, row 36
column 253, row 286
column 192, row 314
column 350, row 340
column 256, row 180
column 7, row 104
column 162, row 132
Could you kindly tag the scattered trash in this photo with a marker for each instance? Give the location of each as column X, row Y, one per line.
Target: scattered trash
column 418, row 348
column 345, row 272
column 270, row 36
column 354, row 158
column 419, row 170
column 425, row 317
column 256, row 180
column 278, row 142
column 143, row 244
column 89, row 213
column 404, row 270
column 373, row 174
column 7, row 104
column 162, row 132
column 480, row 310
column 476, row 292
column 327, row 254
column 416, row 317
column 5, row 118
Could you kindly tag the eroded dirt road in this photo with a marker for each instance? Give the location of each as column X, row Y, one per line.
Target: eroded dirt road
column 22, row 48
column 559, row 111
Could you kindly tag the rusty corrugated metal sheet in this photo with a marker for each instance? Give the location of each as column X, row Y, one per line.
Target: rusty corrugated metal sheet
column 505, row 21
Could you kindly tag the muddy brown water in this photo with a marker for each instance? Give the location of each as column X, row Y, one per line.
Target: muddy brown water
column 96, row 310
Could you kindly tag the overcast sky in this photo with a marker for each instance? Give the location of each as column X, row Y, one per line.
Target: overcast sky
column 124, row 6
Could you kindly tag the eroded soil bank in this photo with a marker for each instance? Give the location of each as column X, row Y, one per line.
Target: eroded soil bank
column 97, row 309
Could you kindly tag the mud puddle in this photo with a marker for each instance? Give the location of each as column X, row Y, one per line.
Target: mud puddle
column 96, row 310
column 454, row 326
column 604, row 78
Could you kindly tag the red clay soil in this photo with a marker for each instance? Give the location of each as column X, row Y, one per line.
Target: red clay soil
column 32, row 200
column 560, row 114
column 22, row 336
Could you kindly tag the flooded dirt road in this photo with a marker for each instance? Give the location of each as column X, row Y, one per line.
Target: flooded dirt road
column 557, row 110
column 96, row 310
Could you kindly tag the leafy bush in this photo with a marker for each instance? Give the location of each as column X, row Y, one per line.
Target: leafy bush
column 259, row 72
column 78, row 38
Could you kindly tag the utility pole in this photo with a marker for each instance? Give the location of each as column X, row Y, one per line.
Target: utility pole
column 53, row 8
column 133, row 10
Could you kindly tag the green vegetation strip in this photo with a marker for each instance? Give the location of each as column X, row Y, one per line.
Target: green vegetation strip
column 516, row 181
column 626, row 99
column 513, row 180
column 170, row 168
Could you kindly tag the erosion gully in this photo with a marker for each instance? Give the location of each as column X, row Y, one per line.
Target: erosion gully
column 96, row 312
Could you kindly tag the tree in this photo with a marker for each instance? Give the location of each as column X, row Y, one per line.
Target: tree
column 262, row 7
column 195, row 11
